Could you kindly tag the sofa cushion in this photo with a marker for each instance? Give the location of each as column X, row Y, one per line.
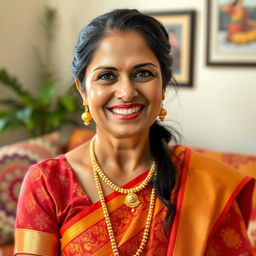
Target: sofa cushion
column 78, row 136
column 14, row 162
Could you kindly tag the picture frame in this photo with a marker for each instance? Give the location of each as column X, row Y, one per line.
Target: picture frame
column 180, row 26
column 231, row 36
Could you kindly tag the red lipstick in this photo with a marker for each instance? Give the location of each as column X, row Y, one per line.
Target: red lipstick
column 130, row 105
column 126, row 111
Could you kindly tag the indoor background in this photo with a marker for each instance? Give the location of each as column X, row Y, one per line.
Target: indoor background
column 218, row 112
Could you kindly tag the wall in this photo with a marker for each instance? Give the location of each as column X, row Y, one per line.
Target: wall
column 19, row 35
column 219, row 112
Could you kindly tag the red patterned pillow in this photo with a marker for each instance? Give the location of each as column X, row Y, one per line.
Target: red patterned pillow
column 14, row 162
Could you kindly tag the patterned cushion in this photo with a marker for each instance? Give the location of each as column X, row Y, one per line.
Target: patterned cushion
column 247, row 165
column 79, row 136
column 14, row 162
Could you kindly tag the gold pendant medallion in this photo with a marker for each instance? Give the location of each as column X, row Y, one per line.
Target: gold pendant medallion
column 131, row 200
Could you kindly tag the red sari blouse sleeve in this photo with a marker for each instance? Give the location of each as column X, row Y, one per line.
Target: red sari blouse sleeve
column 36, row 208
column 49, row 197
column 36, row 219
column 36, row 227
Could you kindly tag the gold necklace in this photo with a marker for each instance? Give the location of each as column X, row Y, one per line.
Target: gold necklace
column 131, row 199
column 108, row 220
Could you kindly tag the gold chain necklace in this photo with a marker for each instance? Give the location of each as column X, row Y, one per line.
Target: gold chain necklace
column 108, row 220
column 131, row 199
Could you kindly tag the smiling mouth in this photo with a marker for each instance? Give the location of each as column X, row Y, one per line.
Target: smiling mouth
column 126, row 113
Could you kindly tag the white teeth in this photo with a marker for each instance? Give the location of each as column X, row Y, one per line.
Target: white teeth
column 125, row 111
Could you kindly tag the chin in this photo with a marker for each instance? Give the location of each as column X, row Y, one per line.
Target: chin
column 126, row 131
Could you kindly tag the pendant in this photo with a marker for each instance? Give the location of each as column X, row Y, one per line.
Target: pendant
column 131, row 200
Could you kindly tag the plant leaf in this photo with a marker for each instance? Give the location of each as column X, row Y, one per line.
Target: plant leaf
column 47, row 91
column 8, row 121
column 10, row 102
column 3, row 121
column 11, row 82
column 31, row 125
column 24, row 114
column 67, row 103
column 55, row 119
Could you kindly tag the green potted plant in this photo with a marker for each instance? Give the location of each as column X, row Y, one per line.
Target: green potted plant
column 46, row 111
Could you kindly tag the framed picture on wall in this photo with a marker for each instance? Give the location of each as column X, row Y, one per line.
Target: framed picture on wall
column 231, row 33
column 180, row 26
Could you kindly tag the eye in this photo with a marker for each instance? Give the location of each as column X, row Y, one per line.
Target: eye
column 107, row 76
column 143, row 75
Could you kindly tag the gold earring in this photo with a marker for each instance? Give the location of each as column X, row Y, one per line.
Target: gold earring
column 162, row 114
column 86, row 116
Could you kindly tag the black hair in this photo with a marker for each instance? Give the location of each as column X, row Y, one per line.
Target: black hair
column 158, row 41
column 123, row 19
column 234, row 2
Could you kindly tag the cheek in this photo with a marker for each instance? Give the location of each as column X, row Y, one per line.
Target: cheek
column 155, row 94
column 96, row 97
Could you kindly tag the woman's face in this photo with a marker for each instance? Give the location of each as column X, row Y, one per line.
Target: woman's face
column 124, row 85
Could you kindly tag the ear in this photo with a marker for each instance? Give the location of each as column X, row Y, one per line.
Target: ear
column 79, row 88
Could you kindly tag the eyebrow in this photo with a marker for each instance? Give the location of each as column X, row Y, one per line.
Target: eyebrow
column 134, row 67
column 144, row 64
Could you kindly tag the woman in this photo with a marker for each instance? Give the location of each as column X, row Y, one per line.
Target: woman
column 241, row 29
column 98, row 199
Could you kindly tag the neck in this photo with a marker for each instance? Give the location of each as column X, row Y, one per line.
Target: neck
column 123, row 154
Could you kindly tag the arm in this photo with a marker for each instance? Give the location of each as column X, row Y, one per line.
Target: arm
column 36, row 220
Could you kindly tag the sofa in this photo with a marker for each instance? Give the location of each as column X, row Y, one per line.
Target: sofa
column 16, row 158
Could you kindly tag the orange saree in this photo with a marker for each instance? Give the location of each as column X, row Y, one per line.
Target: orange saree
column 56, row 217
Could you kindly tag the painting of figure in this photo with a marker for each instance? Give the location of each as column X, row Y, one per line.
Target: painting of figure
column 180, row 26
column 231, row 32
column 175, row 38
column 241, row 28
column 237, row 25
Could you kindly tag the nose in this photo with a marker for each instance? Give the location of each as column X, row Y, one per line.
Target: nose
column 126, row 90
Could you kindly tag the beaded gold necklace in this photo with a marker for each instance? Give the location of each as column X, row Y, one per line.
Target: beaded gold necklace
column 131, row 199
column 106, row 214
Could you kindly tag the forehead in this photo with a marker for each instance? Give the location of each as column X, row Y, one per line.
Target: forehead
column 122, row 48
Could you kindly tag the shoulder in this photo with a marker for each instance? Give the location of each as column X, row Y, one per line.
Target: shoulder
column 51, row 181
column 206, row 169
column 201, row 163
column 49, row 170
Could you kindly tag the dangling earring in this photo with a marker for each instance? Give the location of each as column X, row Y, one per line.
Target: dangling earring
column 86, row 116
column 162, row 114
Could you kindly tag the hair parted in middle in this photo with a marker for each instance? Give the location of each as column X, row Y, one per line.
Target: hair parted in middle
column 123, row 19
column 157, row 40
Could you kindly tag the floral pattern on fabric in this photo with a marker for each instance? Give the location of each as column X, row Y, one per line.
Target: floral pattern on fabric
column 15, row 160
column 246, row 164
column 236, row 160
column 124, row 222
column 230, row 238
column 51, row 196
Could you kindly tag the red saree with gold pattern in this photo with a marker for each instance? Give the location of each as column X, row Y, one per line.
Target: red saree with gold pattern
column 56, row 217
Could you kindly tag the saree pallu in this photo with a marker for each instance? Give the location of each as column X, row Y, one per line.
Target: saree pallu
column 210, row 198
